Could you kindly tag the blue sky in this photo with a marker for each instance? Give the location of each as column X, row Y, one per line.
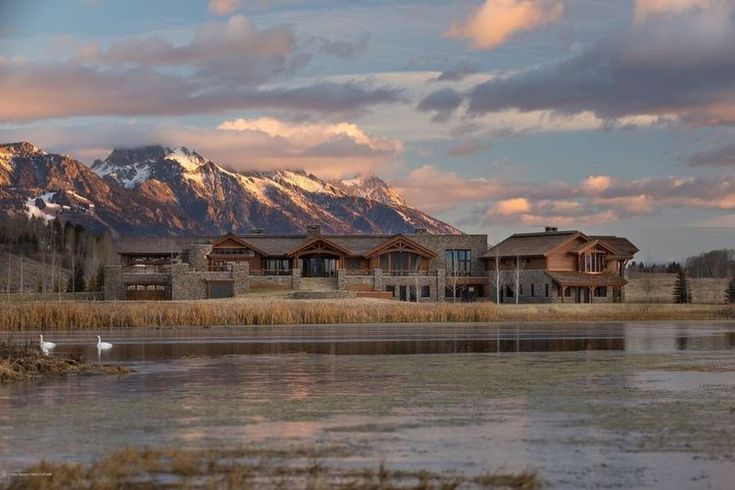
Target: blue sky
column 495, row 115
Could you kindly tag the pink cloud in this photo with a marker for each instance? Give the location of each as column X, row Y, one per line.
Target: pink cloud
column 224, row 7
column 495, row 21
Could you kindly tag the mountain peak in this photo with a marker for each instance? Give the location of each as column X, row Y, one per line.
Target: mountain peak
column 372, row 187
column 21, row 148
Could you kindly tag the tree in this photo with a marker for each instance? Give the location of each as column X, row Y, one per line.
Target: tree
column 682, row 291
column 100, row 279
column 77, row 282
column 730, row 292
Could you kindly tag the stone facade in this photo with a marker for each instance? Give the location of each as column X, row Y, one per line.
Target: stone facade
column 188, row 277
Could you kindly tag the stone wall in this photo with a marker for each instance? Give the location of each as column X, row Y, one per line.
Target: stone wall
column 538, row 278
column 113, row 284
column 477, row 244
column 198, row 256
column 275, row 282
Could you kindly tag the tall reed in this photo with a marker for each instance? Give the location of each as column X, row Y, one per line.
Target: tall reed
column 73, row 315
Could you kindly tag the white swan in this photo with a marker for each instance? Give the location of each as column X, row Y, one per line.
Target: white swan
column 46, row 346
column 103, row 345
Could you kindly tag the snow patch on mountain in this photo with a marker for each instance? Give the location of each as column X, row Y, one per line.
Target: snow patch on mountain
column 42, row 207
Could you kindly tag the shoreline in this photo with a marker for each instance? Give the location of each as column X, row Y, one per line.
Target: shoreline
column 45, row 316
column 24, row 362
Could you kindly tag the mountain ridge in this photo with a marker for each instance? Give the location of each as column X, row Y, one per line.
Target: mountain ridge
column 162, row 190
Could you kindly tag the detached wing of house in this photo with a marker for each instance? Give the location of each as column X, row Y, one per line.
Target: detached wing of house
column 561, row 266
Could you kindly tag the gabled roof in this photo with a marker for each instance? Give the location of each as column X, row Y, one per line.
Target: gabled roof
column 401, row 242
column 237, row 240
column 532, row 244
column 314, row 241
column 621, row 245
column 583, row 247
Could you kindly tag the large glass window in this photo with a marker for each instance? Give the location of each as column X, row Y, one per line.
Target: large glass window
column 400, row 263
column 459, row 261
column 594, row 262
column 276, row 265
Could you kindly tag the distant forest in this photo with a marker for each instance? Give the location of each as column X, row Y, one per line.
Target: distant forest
column 715, row 263
column 53, row 256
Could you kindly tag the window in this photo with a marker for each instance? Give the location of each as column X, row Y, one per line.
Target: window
column 458, row 261
column 520, row 290
column 601, row 292
column 508, row 292
column 533, row 290
column 568, row 292
column 391, row 289
column 425, row 291
column 276, row 265
column 594, row 262
column 546, row 290
column 400, row 263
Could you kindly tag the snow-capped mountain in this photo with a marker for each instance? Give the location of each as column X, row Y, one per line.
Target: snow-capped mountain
column 161, row 190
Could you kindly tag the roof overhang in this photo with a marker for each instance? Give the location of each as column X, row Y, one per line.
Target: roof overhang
column 400, row 243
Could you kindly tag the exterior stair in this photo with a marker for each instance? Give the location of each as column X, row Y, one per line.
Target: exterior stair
column 318, row 284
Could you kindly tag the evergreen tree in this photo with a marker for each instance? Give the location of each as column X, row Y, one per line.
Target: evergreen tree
column 682, row 291
column 100, row 279
column 730, row 291
column 77, row 282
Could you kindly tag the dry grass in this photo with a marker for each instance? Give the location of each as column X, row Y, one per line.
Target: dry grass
column 24, row 361
column 646, row 287
column 216, row 469
column 80, row 315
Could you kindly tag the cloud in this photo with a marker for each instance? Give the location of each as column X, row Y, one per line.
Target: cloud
column 57, row 91
column 645, row 9
column 443, row 102
column 510, row 207
column 327, row 149
column 224, row 7
column 502, row 201
column 468, row 147
column 495, row 21
column 723, row 156
column 227, row 65
column 677, row 67
column 456, row 74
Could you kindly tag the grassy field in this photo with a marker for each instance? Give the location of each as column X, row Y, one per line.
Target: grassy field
column 659, row 288
column 96, row 315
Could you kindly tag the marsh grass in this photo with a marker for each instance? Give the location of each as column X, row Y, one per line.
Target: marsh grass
column 20, row 361
column 236, row 469
column 82, row 315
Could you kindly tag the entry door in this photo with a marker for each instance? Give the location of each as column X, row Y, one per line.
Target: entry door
column 586, row 294
column 402, row 293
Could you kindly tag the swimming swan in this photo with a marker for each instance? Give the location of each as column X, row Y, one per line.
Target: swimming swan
column 45, row 346
column 103, row 345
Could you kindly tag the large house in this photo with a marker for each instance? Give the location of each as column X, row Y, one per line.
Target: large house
column 553, row 266
column 418, row 266
column 558, row 266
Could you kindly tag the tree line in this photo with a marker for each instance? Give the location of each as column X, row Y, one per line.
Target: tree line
column 716, row 264
column 52, row 256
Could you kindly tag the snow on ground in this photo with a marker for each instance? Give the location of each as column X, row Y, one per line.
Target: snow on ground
column 48, row 213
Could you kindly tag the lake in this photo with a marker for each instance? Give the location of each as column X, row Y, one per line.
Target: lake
column 586, row 405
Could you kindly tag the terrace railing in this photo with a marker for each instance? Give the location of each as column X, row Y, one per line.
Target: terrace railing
column 146, row 269
column 271, row 272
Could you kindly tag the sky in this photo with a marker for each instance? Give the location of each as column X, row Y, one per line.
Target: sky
column 497, row 116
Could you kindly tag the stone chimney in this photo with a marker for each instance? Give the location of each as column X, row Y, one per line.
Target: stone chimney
column 313, row 231
column 551, row 229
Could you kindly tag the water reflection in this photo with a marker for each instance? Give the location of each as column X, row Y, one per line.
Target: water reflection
column 172, row 343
